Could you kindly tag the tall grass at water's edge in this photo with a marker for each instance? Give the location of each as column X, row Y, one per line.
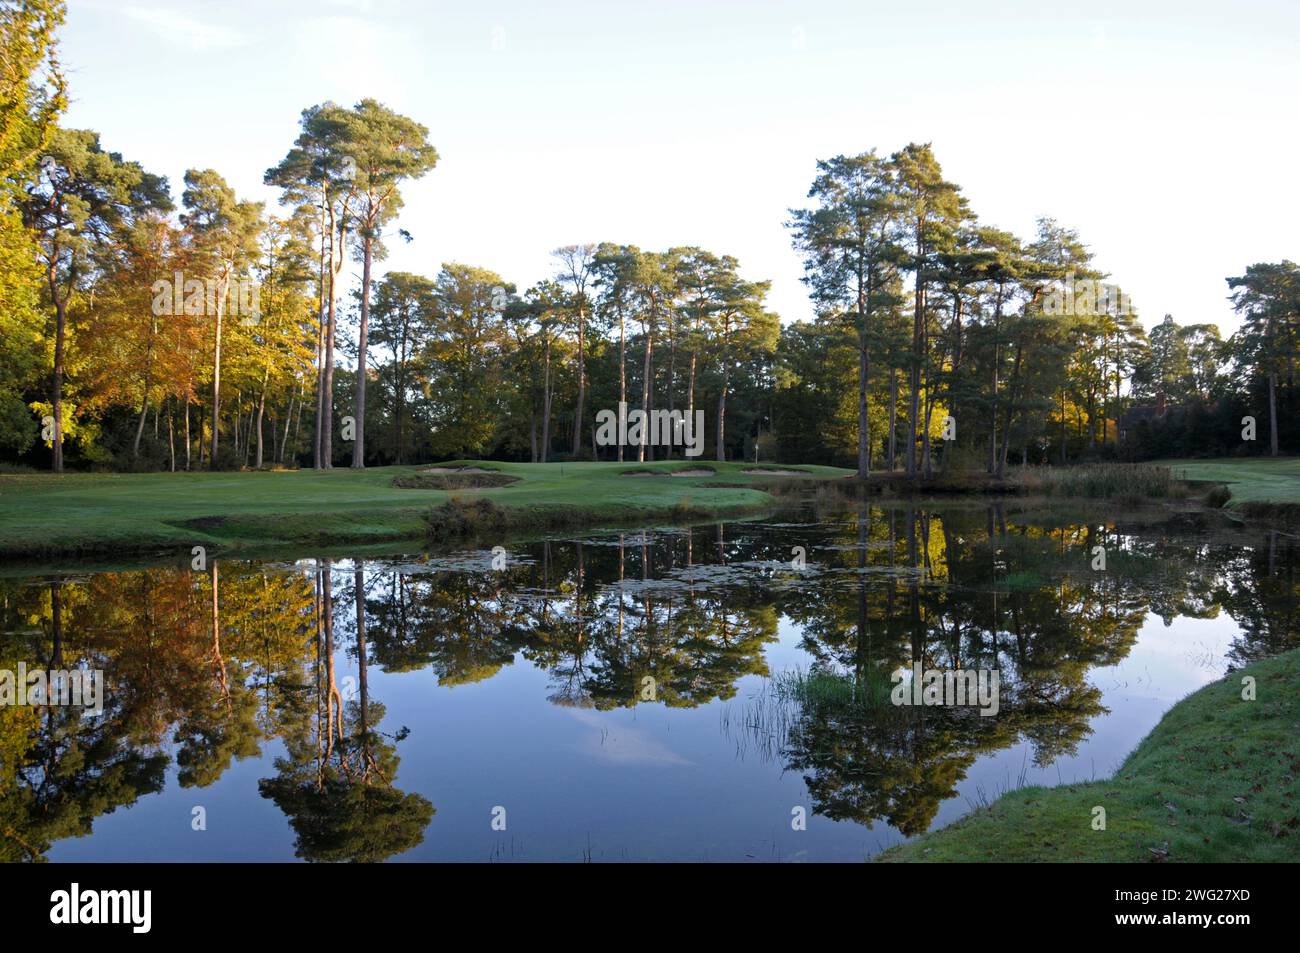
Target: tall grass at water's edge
column 817, row 686
column 1122, row 482
column 763, row 723
column 1118, row 481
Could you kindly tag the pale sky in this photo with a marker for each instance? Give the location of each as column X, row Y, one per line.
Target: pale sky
column 1164, row 132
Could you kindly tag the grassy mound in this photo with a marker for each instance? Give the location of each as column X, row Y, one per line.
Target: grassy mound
column 1217, row 780
column 463, row 480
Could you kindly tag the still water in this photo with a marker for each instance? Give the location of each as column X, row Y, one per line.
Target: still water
column 664, row 693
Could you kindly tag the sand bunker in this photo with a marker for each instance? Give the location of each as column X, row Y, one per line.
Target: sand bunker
column 776, row 471
column 458, row 470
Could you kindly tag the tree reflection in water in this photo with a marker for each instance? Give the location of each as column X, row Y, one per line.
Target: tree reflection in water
column 209, row 667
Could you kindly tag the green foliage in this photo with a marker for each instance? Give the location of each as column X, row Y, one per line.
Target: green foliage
column 33, row 89
column 342, row 822
column 465, row 519
column 23, row 345
column 465, row 358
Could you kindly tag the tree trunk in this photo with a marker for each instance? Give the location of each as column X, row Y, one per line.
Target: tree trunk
column 218, row 662
column 400, row 401
column 139, row 427
column 359, row 446
column 690, row 390
column 925, row 434
column 327, row 389
column 672, row 369
column 722, row 416
column 1117, row 398
column 1272, row 413
column 363, row 691
column 261, row 410
column 645, row 395
column 993, row 412
column 284, row 437
column 918, row 320
column 297, row 424
column 1064, row 432
column 864, row 370
column 317, row 460
column 1092, row 418
column 582, row 377
column 622, row 370
column 60, row 340
column 546, row 403
column 1006, row 418
column 893, row 418
column 338, row 243
column 216, row 371
column 334, row 700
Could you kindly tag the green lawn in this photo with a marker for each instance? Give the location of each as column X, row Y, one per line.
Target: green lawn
column 43, row 514
column 1251, row 480
column 1217, row 780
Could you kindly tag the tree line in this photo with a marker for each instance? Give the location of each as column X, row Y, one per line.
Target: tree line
column 142, row 332
column 1012, row 344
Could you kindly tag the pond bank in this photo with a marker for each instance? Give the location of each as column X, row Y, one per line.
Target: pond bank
column 1218, row 779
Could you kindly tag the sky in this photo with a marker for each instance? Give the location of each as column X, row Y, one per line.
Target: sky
column 1166, row 134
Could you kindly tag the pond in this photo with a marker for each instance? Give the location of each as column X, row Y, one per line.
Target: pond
column 718, row 692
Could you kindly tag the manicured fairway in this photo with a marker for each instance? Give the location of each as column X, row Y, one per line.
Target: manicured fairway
column 103, row 513
column 41, row 514
column 1252, row 480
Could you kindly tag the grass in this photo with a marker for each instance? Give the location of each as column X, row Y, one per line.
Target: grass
column 1258, row 485
column 817, row 687
column 1117, row 481
column 1217, row 780
column 43, row 515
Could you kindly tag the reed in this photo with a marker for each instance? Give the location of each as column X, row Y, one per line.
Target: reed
column 1116, row 481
